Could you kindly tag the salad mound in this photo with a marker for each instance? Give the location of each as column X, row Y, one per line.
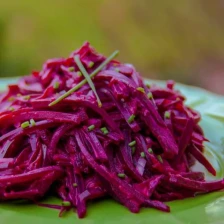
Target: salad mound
column 87, row 127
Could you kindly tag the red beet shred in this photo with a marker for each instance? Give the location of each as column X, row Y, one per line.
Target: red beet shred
column 138, row 148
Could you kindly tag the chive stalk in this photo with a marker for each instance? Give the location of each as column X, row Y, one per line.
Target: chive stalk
column 150, row 150
column 56, row 85
column 142, row 154
column 140, row 89
column 25, row 124
column 131, row 118
column 133, row 148
column 91, row 64
column 150, row 96
column 132, row 143
column 66, row 203
column 83, row 82
column 32, row 122
column 167, row 115
column 160, row 158
column 121, row 175
column 91, row 127
column 104, row 130
column 87, row 77
column 71, row 69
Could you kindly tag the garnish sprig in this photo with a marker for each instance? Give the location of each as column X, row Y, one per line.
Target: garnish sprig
column 87, row 77
column 131, row 118
column 83, row 82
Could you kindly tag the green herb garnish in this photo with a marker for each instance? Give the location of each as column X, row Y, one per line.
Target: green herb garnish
column 104, row 130
column 150, row 150
column 133, row 148
column 66, row 203
column 150, row 96
column 71, row 69
column 32, row 122
column 132, row 143
column 83, row 82
column 56, row 85
column 79, row 73
column 87, row 77
column 11, row 108
column 142, row 154
column 75, row 185
column 140, row 89
column 91, row 127
column 91, row 64
column 121, row 175
column 160, row 158
column 167, row 115
column 25, row 124
column 131, row 118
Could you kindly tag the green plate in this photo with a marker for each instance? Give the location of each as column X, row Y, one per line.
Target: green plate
column 202, row 209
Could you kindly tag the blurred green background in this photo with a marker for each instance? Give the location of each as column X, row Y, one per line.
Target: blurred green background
column 164, row 39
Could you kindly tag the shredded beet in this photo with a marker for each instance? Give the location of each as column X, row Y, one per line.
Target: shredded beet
column 137, row 147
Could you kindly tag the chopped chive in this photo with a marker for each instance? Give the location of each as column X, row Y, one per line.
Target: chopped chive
column 88, row 79
column 133, row 148
column 91, row 64
column 121, row 175
column 160, row 158
column 142, row 154
column 104, row 130
column 56, row 85
column 140, row 89
column 32, row 122
column 117, row 69
column 79, row 73
column 11, row 108
column 27, row 97
column 132, row 143
column 83, row 82
column 19, row 94
column 25, row 124
column 75, row 185
column 91, row 127
column 150, row 96
column 167, row 114
column 66, row 203
column 71, row 69
column 150, row 150
column 10, row 99
column 131, row 118
column 148, row 85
